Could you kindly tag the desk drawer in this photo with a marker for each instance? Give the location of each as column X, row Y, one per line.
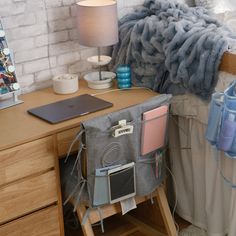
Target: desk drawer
column 41, row 223
column 64, row 140
column 26, row 159
column 27, row 196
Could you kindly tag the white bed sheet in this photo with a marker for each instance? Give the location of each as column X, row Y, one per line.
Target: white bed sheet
column 204, row 198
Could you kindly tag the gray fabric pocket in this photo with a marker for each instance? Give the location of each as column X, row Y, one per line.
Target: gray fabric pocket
column 104, row 150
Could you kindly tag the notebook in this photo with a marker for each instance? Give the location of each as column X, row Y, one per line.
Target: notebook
column 70, row 108
column 153, row 129
column 121, row 182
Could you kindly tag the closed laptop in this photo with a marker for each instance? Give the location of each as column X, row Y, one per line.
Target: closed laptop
column 69, row 108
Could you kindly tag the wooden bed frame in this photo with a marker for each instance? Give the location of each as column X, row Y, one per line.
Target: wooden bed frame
column 228, row 63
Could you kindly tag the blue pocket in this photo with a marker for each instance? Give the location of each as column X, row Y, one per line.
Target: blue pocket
column 230, row 97
column 213, row 126
column 227, row 130
column 232, row 152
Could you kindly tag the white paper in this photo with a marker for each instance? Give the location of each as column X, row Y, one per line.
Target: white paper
column 128, row 205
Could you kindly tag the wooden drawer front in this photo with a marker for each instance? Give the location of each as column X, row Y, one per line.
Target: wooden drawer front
column 41, row 223
column 26, row 159
column 24, row 197
column 64, row 140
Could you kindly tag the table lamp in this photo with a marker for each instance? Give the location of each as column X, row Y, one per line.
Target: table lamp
column 97, row 25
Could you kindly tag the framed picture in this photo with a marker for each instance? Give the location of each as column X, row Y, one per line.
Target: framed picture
column 8, row 81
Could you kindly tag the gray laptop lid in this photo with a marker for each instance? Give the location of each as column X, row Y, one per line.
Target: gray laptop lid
column 69, row 108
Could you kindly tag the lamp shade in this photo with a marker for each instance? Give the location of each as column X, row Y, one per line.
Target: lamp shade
column 97, row 23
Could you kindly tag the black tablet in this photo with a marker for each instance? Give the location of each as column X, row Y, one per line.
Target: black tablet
column 121, row 182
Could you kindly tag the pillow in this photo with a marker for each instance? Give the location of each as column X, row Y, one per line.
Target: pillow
column 217, row 6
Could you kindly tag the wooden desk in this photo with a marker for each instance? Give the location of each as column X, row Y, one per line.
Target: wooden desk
column 30, row 195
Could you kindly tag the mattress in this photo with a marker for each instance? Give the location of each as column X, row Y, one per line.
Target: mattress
column 190, row 106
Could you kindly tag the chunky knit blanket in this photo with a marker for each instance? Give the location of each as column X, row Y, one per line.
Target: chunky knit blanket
column 171, row 48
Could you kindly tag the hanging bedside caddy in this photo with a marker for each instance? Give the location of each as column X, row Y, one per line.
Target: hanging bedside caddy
column 221, row 129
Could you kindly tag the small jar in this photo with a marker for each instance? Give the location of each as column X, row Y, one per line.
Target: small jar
column 123, row 73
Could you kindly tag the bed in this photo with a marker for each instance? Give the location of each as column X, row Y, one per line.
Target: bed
column 204, row 198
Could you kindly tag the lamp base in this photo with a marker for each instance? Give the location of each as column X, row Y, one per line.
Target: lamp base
column 94, row 82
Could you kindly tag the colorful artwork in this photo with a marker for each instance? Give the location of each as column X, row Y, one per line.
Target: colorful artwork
column 8, row 82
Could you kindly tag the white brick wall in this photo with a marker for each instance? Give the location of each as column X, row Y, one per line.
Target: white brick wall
column 19, row 20
column 58, row 13
column 36, row 65
column 57, row 37
column 43, row 37
column 19, row 45
column 54, row 3
column 41, row 40
column 30, row 55
column 27, row 31
column 68, row 58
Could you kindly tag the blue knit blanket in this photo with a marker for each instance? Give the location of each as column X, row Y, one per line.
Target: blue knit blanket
column 171, row 48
